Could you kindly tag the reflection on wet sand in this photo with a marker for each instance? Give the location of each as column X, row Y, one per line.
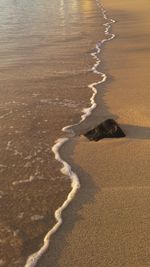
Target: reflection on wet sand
column 44, row 72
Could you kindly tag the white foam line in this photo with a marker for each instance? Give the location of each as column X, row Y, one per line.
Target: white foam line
column 66, row 169
column 31, row 179
column 87, row 111
column 75, row 185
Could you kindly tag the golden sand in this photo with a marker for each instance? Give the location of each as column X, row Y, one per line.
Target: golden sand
column 112, row 210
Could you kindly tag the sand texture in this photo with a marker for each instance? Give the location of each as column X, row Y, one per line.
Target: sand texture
column 44, row 72
column 108, row 224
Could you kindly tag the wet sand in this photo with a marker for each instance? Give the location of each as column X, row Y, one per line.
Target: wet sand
column 44, row 73
column 108, row 222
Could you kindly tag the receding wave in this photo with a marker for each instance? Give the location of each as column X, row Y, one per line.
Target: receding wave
column 66, row 168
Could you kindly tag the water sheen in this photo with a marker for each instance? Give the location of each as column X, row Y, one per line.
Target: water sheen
column 45, row 57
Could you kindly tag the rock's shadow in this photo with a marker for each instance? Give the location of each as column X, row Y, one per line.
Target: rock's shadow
column 136, row 132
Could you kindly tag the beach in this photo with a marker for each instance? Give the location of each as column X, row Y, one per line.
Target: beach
column 107, row 224
column 45, row 69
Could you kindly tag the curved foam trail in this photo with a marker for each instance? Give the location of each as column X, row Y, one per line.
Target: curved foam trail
column 87, row 111
column 75, row 185
column 66, row 169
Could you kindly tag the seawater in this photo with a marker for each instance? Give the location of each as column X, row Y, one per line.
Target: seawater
column 47, row 50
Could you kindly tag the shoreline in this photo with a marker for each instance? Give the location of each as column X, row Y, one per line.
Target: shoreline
column 114, row 193
column 34, row 258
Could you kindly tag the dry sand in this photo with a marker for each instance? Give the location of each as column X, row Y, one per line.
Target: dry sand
column 108, row 223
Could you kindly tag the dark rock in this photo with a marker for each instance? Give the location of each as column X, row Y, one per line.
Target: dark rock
column 107, row 129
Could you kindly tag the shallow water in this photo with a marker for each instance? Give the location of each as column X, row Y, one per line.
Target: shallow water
column 45, row 69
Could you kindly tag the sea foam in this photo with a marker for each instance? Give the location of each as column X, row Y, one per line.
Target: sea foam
column 66, row 168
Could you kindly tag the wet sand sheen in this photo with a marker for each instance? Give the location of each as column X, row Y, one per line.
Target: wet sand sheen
column 108, row 222
column 66, row 169
column 44, row 76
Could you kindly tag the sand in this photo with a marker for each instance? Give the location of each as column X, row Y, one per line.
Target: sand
column 108, row 222
column 44, row 72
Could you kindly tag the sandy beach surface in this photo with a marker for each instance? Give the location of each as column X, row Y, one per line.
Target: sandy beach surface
column 108, row 224
column 45, row 68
